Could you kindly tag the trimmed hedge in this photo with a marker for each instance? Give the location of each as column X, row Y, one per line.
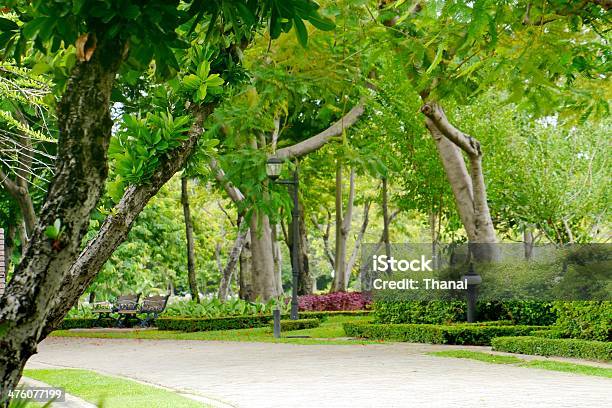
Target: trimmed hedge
column 205, row 324
column 527, row 312
column 473, row 334
column 585, row 320
column 86, row 323
column 214, row 323
column 575, row 348
column 288, row 325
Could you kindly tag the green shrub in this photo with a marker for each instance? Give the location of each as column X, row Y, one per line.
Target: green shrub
column 529, row 312
column 526, row 312
column 288, row 325
column 323, row 315
column 433, row 312
column 549, row 334
column 208, row 308
column 574, row 348
column 585, row 320
column 473, row 334
column 189, row 324
column 86, row 323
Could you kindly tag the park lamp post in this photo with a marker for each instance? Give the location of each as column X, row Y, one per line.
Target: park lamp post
column 273, row 169
column 473, row 280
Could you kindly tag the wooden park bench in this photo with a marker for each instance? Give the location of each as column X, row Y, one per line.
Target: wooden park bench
column 102, row 309
column 127, row 307
column 151, row 307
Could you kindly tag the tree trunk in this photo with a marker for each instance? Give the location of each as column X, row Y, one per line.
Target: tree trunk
column 9, row 245
column 433, row 218
column 359, row 240
column 232, row 260
column 81, row 170
column 18, row 189
column 528, row 242
column 116, row 226
column 304, row 278
column 246, row 291
column 191, row 269
column 278, row 258
column 385, row 209
column 469, row 190
column 343, row 227
column 263, row 273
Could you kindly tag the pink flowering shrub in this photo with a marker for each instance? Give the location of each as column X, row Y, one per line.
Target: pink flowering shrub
column 335, row 301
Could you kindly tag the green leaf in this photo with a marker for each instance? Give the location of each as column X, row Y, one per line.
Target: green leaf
column 214, row 80
column 32, row 28
column 77, row 5
column 204, row 70
column 131, row 12
column 191, row 82
column 40, row 68
column 202, row 92
column 436, row 59
column 301, row 32
column 321, row 23
column 8, row 25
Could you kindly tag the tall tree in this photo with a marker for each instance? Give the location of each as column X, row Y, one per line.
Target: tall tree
column 191, row 257
column 54, row 270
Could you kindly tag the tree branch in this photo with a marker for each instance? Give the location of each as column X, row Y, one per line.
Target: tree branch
column 233, row 192
column 467, row 143
column 315, row 142
column 116, row 226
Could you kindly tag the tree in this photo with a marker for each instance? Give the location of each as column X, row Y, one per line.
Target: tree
column 191, row 272
column 54, row 270
column 454, row 49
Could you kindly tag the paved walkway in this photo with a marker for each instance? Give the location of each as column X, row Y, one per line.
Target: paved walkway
column 268, row 375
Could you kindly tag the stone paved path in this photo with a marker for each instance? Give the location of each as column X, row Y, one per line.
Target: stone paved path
column 268, row 375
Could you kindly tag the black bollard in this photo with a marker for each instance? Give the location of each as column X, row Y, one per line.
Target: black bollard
column 277, row 327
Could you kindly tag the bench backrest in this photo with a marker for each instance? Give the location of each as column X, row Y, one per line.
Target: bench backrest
column 127, row 302
column 154, row 304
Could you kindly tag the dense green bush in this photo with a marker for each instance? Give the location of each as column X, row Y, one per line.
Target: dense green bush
column 215, row 308
column 434, row 311
column 224, row 323
column 585, row 320
column 527, row 312
column 575, row 348
column 214, row 323
column 288, row 325
column 474, row 334
column 323, row 315
column 549, row 334
column 86, row 323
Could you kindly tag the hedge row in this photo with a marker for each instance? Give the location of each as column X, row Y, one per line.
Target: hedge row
column 589, row 320
column 575, row 348
column 473, row 334
column 526, row 312
column 300, row 324
column 203, row 324
column 86, row 323
column 214, row 323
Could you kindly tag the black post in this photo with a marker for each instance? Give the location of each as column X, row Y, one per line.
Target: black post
column 277, row 327
column 294, row 247
column 473, row 280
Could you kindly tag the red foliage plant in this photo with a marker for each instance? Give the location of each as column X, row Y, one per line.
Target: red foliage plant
column 335, row 301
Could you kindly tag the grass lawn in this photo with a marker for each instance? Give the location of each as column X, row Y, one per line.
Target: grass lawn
column 329, row 332
column 109, row 391
column 542, row 364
